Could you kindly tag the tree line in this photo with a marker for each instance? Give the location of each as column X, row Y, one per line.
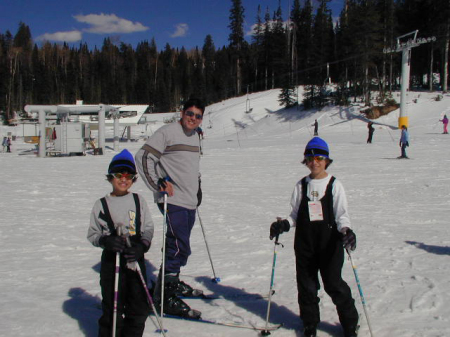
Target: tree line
column 302, row 47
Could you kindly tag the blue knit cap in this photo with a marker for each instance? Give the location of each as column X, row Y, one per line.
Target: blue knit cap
column 317, row 147
column 122, row 161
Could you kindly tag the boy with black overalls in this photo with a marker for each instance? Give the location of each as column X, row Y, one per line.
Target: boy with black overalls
column 129, row 211
column 319, row 213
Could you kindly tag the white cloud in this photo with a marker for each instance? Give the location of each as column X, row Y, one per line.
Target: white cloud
column 72, row 36
column 109, row 23
column 181, row 30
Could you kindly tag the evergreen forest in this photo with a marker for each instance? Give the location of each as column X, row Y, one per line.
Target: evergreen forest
column 356, row 53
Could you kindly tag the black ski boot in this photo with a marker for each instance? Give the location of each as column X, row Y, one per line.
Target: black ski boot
column 173, row 305
column 185, row 290
column 310, row 331
column 351, row 331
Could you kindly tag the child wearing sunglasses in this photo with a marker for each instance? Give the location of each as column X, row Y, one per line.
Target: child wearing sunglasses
column 319, row 213
column 130, row 212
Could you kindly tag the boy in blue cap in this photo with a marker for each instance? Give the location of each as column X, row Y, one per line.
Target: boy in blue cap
column 319, row 213
column 120, row 208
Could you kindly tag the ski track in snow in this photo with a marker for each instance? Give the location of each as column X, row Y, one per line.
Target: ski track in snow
column 399, row 211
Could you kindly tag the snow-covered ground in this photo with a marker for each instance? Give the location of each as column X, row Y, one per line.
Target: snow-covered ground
column 399, row 208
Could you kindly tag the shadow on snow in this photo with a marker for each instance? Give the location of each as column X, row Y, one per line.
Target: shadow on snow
column 438, row 250
column 87, row 308
column 258, row 306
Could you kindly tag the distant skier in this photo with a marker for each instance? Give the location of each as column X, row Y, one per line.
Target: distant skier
column 371, row 130
column 8, row 145
column 316, row 128
column 404, row 141
column 200, row 132
column 120, row 207
column 200, row 137
column 5, row 143
column 319, row 213
column 445, row 122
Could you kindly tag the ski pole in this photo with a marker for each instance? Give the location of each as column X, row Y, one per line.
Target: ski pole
column 116, row 294
column 126, row 234
column 363, row 301
column 163, row 264
column 215, row 279
column 266, row 332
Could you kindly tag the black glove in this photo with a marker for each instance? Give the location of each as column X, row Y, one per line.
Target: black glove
column 135, row 252
column 113, row 243
column 349, row 240
column 278, row 227
column 199, row 194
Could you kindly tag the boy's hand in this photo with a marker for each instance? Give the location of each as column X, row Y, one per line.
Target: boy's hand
column 278, row 227
column 135, row 252
column 349, row 239
column 113, row 243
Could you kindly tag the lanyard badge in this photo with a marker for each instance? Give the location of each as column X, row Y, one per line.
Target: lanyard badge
column 315, row 208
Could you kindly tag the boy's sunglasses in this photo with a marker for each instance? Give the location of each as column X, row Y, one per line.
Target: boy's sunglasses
column 128, row 176
column 315, row 158
column 191, row 114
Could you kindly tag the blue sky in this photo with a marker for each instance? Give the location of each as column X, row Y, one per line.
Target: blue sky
column 179, row 23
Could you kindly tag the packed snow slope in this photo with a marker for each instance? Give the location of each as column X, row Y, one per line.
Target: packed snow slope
column 252, row 159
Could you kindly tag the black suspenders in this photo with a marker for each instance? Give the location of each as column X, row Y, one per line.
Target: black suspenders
column 107, row 215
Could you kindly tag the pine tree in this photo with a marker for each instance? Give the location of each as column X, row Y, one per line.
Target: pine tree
column 236, row 38
column 287, row 96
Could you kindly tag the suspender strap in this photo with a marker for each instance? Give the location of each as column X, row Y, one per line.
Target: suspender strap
column 304, row 188
column 329, row 192
column 107, row 214
column 138, row 213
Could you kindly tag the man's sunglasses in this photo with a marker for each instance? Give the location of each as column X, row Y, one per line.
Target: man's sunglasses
column 192, row 113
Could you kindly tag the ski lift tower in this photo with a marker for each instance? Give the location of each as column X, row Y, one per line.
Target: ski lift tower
column 405, row 47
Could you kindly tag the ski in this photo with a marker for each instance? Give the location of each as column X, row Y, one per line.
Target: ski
column 243, row 297
column 228, row 324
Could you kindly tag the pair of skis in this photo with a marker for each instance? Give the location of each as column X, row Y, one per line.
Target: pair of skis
column 227, row 324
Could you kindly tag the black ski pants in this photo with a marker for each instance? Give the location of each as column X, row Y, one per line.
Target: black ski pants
column 326, row 258
column 132, row 306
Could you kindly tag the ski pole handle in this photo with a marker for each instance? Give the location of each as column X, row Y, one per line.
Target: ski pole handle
column 123, row 232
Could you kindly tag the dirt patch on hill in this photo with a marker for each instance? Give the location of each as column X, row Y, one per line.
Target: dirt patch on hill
column 378, row 111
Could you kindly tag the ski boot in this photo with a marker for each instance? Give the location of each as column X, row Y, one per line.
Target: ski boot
column 173, row 305
column 185, row 290
column 310, row 331
column 351, row 331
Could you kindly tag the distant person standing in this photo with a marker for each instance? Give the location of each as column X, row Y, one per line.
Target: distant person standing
column 445, row 122
column 404, row 141
column 5, row 143
column 200, row 137
column 316, row 128
column 200, row 132
column 371, row 130
column 8, row 145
